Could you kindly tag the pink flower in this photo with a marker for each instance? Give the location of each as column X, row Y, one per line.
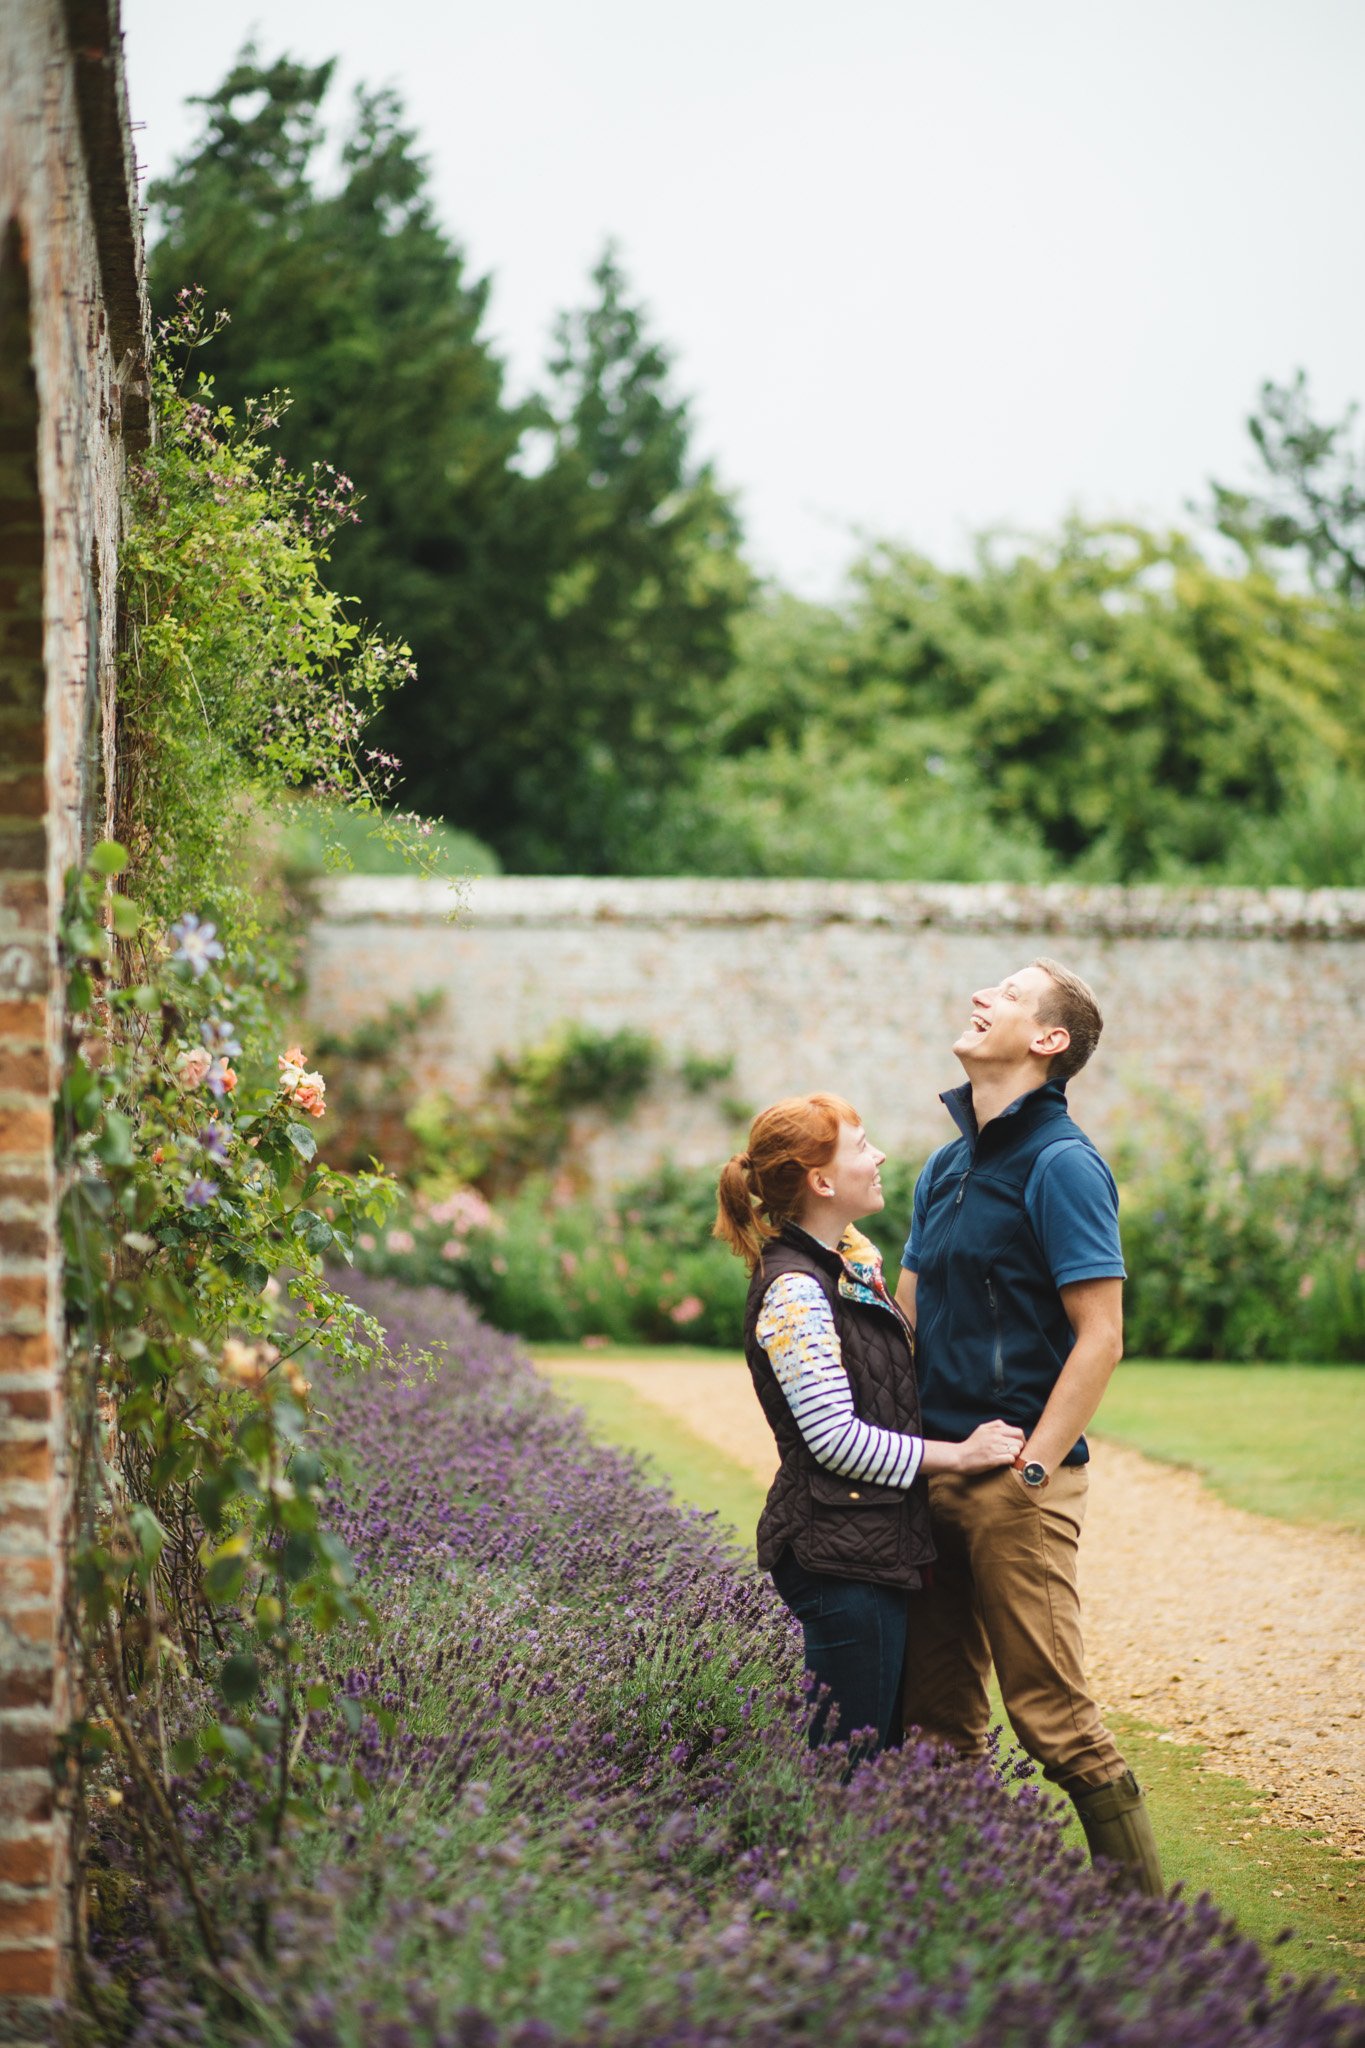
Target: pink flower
column 499, row 1265
column 291, row 1064
column 309, row 1096
column 1307, row 1282
column 568, row 1264
column 687, row 1310
column 192, row 1067
column 594, row 1343
column 366, row 1241
column 453, row 1248
column 400, row 1241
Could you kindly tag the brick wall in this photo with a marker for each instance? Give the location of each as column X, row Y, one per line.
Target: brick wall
column 72, row 390
column 1220, row 998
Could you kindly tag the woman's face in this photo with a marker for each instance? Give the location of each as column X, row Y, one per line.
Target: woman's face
column 853, row 1176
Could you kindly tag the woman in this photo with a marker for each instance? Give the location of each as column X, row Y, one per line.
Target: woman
column 845, row 1531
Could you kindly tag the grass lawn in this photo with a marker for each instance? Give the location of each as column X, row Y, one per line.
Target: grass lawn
column 1280, row 1439
column 1212, row 1829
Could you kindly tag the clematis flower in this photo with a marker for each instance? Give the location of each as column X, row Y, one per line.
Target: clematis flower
column 222, row 1079
column 213, row 1139
column 196, row 943
column 221, row 1038
column 200, row 1192
column 192, row 1067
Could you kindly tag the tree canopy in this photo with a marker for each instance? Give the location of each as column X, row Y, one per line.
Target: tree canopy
column 603, row 686
column 568, row 615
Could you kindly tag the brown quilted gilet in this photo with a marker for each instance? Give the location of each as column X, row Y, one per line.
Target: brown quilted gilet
column 842, row 1526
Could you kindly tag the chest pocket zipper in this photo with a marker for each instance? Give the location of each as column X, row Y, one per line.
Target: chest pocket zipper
column 998, row 1353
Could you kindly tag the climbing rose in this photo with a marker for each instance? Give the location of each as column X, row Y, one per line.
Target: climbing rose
column 192, row 1067
column 309, row 1094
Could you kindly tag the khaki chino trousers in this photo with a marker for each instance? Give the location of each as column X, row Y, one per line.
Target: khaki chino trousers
column 1005, row 1591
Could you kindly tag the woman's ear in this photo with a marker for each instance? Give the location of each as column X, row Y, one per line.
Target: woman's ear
column 819, row 1182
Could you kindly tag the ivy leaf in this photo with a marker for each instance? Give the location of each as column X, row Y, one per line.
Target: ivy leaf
column 239, row 1679
column 108, row 858
column 127, row 917
column 114, row 1144
column 302, row 1140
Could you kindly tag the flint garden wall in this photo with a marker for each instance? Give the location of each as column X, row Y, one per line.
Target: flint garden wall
column 1221, row 999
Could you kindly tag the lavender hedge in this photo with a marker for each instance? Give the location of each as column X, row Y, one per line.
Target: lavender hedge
column 585, row 1814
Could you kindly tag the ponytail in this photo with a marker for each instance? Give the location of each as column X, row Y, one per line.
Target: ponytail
column 761, row 1189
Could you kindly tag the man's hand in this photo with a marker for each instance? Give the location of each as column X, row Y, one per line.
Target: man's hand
column 1094, row 1309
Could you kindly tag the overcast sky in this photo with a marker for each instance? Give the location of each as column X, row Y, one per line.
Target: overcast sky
column 925, row 265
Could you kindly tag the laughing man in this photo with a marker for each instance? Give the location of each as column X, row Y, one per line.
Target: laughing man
column 1013, row 1276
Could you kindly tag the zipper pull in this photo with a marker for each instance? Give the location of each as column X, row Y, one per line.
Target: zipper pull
column 962, row 1188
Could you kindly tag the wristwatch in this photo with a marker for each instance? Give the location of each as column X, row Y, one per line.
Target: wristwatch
column 1034, row 1474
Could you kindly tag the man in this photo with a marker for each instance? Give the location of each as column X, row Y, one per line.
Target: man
column 1013, row 1277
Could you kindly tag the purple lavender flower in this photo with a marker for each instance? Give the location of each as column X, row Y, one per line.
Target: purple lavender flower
column 200, row 1192
column 197, row 943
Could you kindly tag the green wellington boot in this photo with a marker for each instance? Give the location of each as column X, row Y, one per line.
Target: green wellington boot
column 1119, row 1828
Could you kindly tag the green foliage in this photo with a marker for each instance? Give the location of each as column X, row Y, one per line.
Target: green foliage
column 318, row 838
column 1231, row 1257
column 519, row 1124
column 563, row 571
column 1315, row 504
column 203, row 1545
column 1228, row 1257
column 1107, row 707
column 243, row 671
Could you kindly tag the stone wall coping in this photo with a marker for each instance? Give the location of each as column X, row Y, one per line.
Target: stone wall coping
column 556, row 900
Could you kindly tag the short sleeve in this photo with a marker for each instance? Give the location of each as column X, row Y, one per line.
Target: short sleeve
column 1073, row 1206
column 911, row 1255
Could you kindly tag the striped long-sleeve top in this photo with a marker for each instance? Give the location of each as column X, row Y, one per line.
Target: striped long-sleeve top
column 796, row 1328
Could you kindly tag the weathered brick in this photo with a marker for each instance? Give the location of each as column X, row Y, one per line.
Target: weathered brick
column 23, row 1018
column 24, row 1575
column 26, row 1685
column 30, row 1972
column 25, row 1798
column 24, row 1070
column 28, row 1462
column 22, row 739
column 24, row 897
column 25, row 1859
column 25, row 1749
column 23, row 794
column 21, row 1239
column 24, row 849
column 34, row 1625
column 25, row 1404
column 24, row 1353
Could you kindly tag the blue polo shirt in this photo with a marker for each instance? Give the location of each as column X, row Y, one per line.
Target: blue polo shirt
column 1003, row 1220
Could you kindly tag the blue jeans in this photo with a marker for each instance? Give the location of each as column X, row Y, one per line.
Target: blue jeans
column 855, row 1644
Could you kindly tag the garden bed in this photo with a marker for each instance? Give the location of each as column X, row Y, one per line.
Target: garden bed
column 592, row 1819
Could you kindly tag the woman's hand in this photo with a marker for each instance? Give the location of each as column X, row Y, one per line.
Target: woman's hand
column 989, row 1445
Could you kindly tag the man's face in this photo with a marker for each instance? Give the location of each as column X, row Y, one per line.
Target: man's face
column 1004, row 1021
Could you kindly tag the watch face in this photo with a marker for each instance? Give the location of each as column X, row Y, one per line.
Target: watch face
column 1035, row 1475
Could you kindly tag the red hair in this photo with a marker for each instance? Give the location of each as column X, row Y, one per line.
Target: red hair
column 762, row 1189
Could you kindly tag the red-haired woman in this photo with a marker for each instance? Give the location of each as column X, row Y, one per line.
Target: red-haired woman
column 845, row 1531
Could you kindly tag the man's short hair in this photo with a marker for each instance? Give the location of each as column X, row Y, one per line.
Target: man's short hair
column 1071, row 1003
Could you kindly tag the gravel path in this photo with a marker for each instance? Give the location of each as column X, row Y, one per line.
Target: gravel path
column 1215, row 1626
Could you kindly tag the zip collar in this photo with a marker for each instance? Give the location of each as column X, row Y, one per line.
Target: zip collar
column 1026, row 1109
